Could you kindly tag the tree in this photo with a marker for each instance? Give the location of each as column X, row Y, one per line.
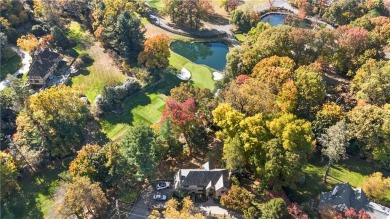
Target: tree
column 168, row 141
column 90, row 162
column 311, row 90
column 83, row 199
column 368, row 124
column 334, row 143
column 251, row 97
column 237, row 198
column 188, row 14
column 183, row 118
column 329, row 115
column 28, row 42
column 59, row 38
column 8, row 174
column 274, row 71
column 204, row 99
column 372, row 82
column 274, row 209
column 125, row 35
column 376, row 186
column 287, row 98
column 229, row 5
column 244, row 20
column 140, row 148
column 52, row 121
column 156, row 52
column 296, row 211
column 187, row 210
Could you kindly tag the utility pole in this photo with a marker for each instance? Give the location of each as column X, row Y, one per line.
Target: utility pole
column 117, row 208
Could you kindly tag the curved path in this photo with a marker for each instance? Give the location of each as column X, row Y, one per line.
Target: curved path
column 26, row 62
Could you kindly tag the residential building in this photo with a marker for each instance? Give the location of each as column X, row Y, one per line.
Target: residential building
column 44, row 64
column 211, row 182
column 343, row 197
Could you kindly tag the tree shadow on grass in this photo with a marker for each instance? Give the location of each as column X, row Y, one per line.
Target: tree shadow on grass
column 142, row 99
column 24, row 203
column 362, row 166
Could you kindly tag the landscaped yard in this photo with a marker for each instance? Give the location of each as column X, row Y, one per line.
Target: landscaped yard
column 201, row 75
column 9, row 66
column 352, row 170
column 102, row 71
column 146, row 106
column 35, row 198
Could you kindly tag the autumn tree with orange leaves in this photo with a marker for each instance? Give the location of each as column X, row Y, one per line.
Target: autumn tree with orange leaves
column 156, row 52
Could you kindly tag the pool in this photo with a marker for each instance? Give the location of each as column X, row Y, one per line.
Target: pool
column 274, row 19
column 210, row 54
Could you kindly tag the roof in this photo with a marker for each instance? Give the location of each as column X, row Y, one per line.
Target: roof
column 43, row 61
column 218, row 177
column 343, row 196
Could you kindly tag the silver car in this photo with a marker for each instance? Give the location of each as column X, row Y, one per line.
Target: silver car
column 163, row 185
column 159, row 197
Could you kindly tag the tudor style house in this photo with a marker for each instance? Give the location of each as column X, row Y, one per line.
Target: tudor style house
column 211, row 182
column 44, row 64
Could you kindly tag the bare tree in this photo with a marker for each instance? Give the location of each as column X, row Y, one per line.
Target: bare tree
column 334, row 142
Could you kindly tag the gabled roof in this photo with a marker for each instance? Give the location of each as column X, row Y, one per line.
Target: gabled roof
column 343, row 196
column 43, row 61
column 202, row 177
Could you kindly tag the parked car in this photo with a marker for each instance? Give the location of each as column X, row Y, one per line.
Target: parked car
column 163, row 185
column 159, row 206
column 159, row 197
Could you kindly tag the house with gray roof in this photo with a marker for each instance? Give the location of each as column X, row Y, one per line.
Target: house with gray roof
column 343, row 197
column 211, row 182
column 44, row 63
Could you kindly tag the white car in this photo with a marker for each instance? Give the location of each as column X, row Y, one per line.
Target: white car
column 163, row 185
column 159, row 197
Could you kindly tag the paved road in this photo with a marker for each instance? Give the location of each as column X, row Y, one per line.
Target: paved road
column 26, row 62
column 141, row 209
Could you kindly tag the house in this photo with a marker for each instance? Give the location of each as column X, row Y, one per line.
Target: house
column 44, row 64
column 343, row 197
column 211, row 182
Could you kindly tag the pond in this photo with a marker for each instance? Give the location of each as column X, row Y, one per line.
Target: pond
column 210, row 54
column 274, row 19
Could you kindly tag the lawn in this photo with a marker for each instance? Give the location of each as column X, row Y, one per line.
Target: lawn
column 157, row 4
column 240, row 37
column 144, row 107
column 353, row 170
column 92, row 80
column 147, row 106
column 201, row 75
column 35, row 198
column 9, row 66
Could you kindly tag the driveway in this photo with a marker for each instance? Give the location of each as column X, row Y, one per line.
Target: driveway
column 142, row 207
column 26, row 62
column 214, row 208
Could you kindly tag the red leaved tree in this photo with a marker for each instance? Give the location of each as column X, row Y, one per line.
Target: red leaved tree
column 182, row 116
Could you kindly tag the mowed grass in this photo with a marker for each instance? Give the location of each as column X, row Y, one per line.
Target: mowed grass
column 352, row 170
column 157, row 4
column 92, row 80
column 201, row 75
column 144, row 107
column 35, row 199
column 9, row 66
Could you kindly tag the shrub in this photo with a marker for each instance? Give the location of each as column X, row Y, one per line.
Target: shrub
column 7, row 53
column 86, row 58
column 37, row 30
